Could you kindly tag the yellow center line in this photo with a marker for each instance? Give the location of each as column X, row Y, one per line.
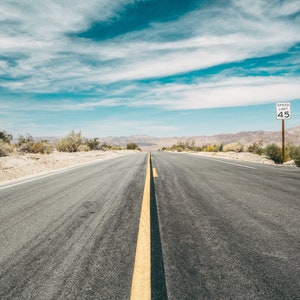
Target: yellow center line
column 141, row 279
column 154, row 173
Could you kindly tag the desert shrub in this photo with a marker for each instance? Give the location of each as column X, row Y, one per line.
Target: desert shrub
column 40, row 147
column 83, row 148
column 210, row 148
column 5, row 148
column 289, row 150
column 116, row 147
column 296, row 155
column 5, row 137
column 105, row 146
column 274, row 153
column 219, row 148
column 181, row 146
column 188, row 146
column 70, row 143
column 25, row 141
column 93, row 144
column 132, row 146
column 198, row 149
column 256, row 148
column 29, row 145
column 236, row 147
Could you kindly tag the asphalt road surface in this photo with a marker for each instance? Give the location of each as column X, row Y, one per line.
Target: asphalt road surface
column 219, row 230
column 72, row 235
column 228, row 230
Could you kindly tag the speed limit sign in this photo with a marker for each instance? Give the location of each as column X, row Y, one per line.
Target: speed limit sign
column 283, row 111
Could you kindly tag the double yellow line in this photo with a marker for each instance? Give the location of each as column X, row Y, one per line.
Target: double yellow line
column 141, row 279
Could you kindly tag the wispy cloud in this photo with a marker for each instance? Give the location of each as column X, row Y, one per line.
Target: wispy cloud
column 209, row 49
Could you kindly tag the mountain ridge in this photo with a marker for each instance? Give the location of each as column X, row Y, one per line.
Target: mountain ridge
column 147, row 142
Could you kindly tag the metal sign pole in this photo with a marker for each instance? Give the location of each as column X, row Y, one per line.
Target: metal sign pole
column 283, row 144
column 283, row 111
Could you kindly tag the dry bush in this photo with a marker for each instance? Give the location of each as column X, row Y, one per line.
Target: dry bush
column 70, row 143
column 83, row 148
column 116, row 147
column 236, row 147
column 5, row 148
column 41, row 147
column 210, row 148
column 256, row 148
column 29, row 145
column 93, row 143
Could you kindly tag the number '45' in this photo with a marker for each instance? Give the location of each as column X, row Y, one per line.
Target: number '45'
column 286, row 114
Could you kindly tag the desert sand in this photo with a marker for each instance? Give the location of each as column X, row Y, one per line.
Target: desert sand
column 18, row 165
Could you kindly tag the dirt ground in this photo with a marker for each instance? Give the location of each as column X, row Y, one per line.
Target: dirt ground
column 20, row 165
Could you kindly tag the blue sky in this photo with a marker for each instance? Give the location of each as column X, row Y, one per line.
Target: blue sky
column 154, row 67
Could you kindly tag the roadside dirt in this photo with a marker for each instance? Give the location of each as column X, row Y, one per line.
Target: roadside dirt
column 243, row 156
column 20, row 165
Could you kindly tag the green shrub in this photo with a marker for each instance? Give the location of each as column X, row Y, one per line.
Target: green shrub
column 93, row 144
column 132, row 146
column 296, row 156
column 289, row 150
column 5, row 137
column 274, row 153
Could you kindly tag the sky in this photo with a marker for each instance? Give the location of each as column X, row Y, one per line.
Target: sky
column 147, row 67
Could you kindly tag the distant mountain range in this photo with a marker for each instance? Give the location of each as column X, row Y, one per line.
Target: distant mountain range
column 244, row 137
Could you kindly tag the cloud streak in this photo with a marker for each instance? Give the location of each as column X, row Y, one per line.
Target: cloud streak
column 213, row 54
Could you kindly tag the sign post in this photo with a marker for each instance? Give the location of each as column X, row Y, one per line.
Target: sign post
column 283, row 112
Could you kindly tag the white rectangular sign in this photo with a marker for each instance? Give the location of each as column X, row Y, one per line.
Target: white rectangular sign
column 283, row 110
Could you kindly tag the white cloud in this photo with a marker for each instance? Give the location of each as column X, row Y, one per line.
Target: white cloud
column 51, row 62
column 222, row 92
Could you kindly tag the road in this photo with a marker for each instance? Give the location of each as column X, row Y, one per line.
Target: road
column 228, row 230
column 72, row 235
column 219, row 230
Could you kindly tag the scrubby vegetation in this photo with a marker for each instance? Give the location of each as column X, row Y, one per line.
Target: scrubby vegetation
column 271, row 151
column 107, row 147
column 256, row 148
column 5, row 137
column 296, row 155
column 133, row 146
column 75, row 142
column 5, row 148
column 5, row 143
column 274, row 153
column 29, row 145
column 235, row 147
